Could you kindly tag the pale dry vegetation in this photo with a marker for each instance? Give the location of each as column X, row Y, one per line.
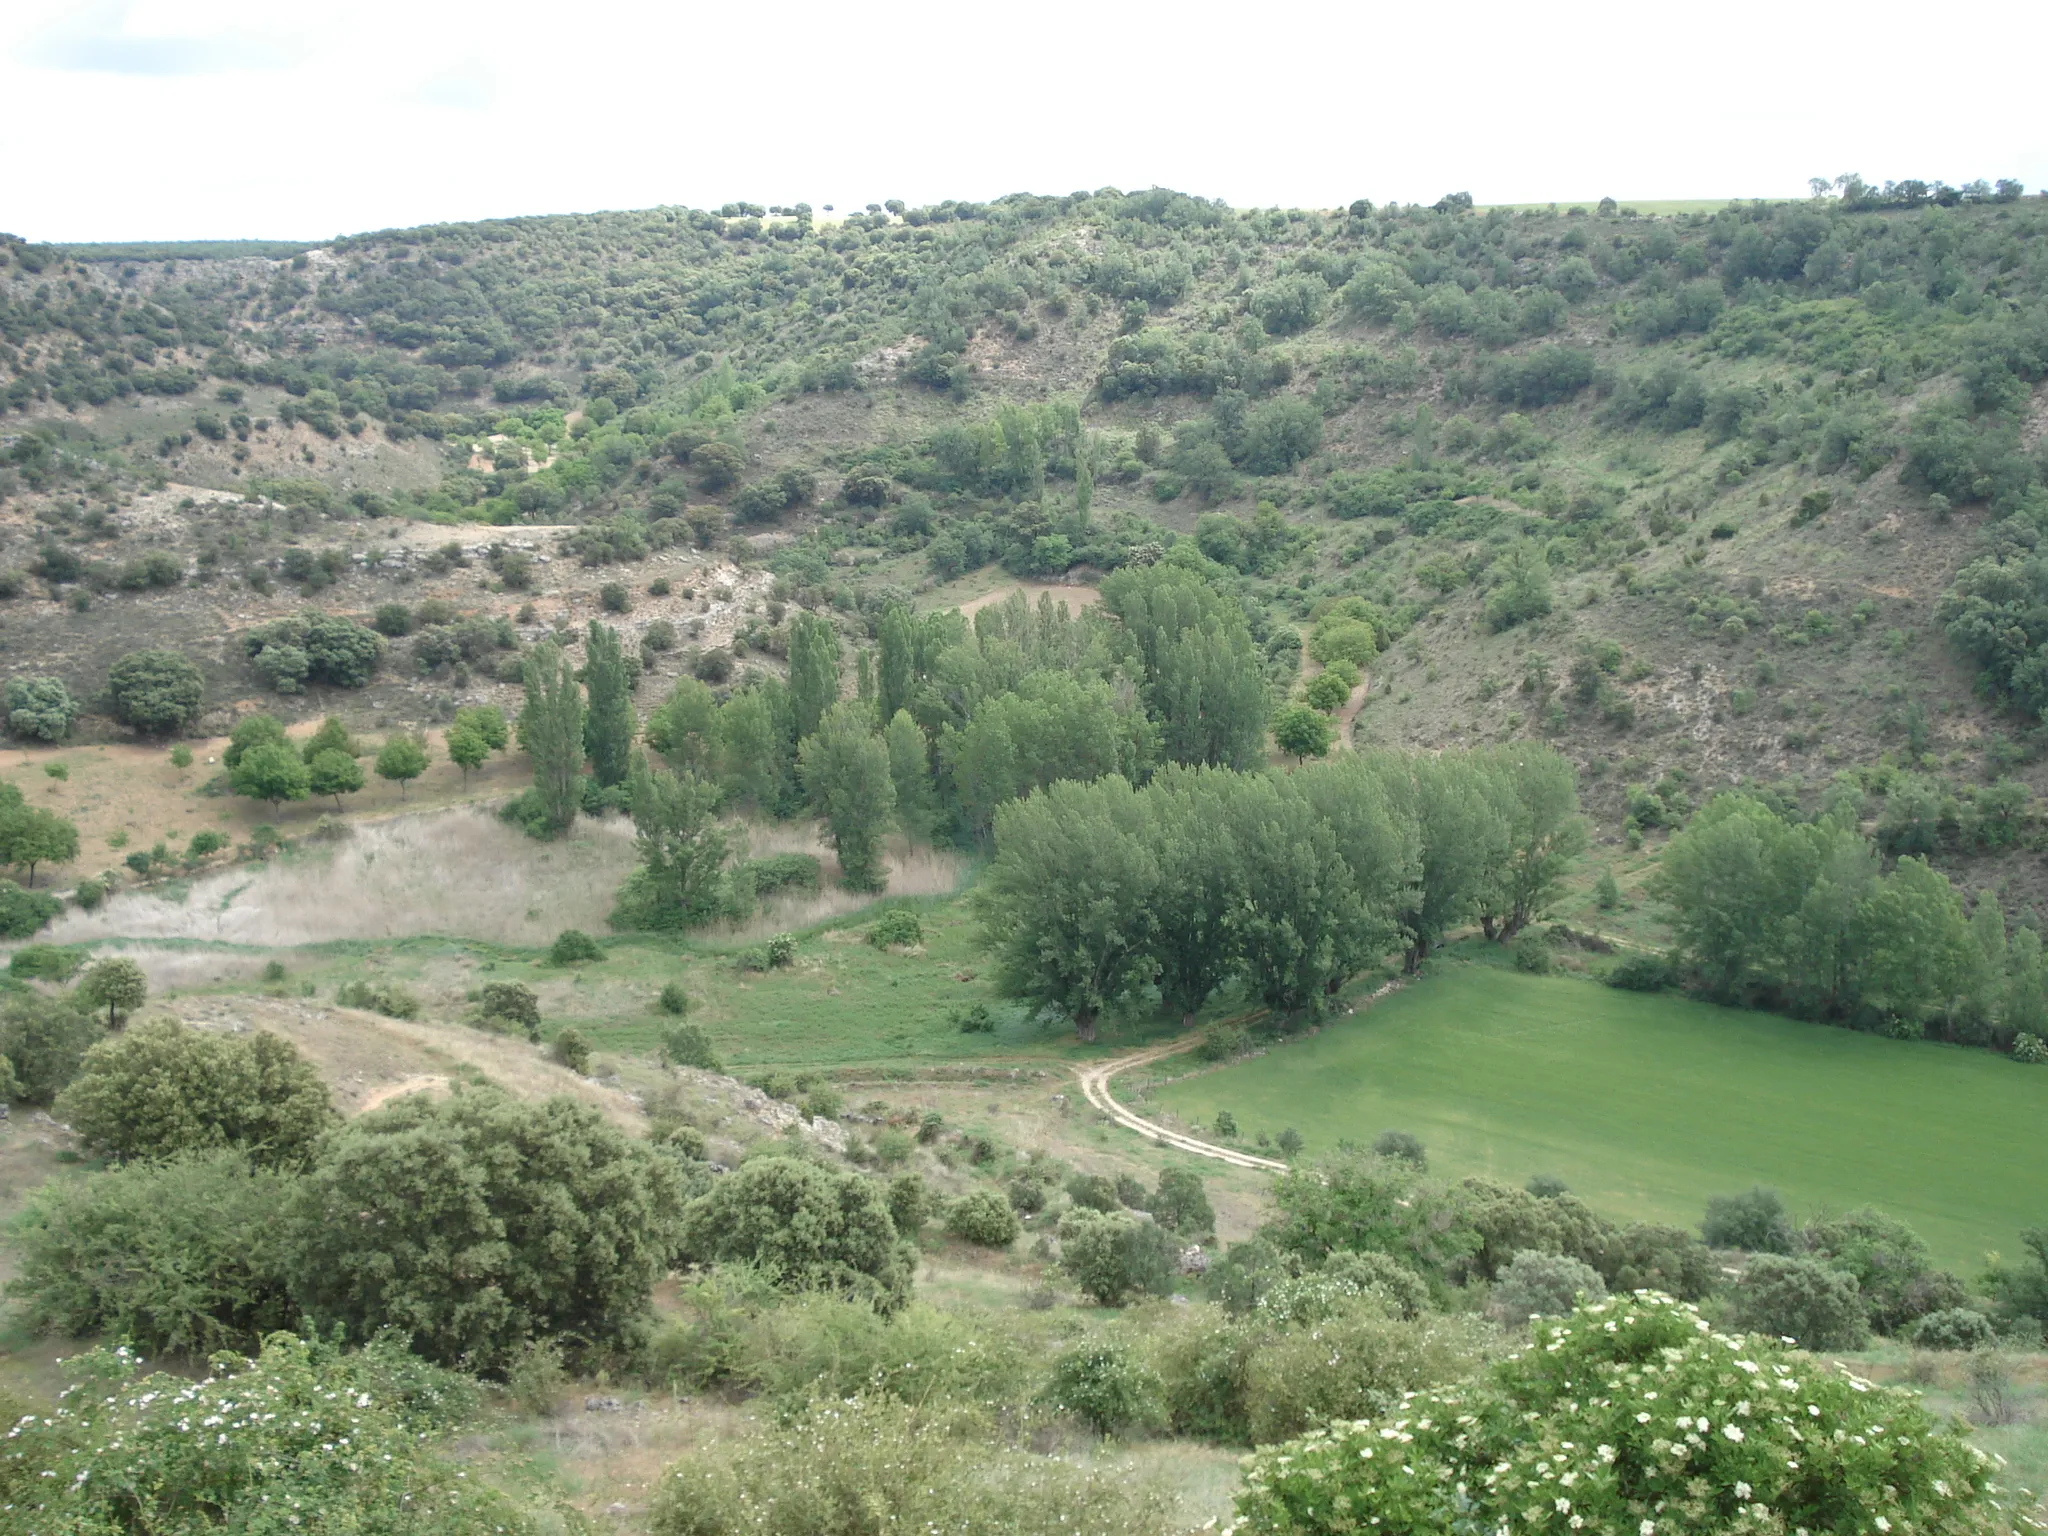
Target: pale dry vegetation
column 462, row 873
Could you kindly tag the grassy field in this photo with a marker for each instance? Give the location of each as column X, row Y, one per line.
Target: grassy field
column 1647, row 1106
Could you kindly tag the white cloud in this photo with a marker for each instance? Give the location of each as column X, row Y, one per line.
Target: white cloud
column 195, row 118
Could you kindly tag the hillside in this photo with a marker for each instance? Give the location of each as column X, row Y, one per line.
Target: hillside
column 1686, row 493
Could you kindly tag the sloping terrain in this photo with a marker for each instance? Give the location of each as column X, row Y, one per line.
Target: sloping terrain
column 1685, row 492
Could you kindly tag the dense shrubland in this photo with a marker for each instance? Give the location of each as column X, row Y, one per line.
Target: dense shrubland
column 485, row 1234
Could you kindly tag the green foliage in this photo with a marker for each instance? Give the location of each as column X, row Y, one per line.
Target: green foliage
column 1810, row 1302
column 156, row 692
column 401, row 760
column 305, row 1428
column 314, row 647
column 332, row 736
column 511, row 1002
column 984, row 1218
column 1352, row 1365
column 551, row 732
column 272, row 772
column 39, row 708
column 1328, row 692
column 847, row 1467
column 572, row 946
column 845, row 771
column 1543, row 1285
column 46, row 962
column 117, row 985
column 385, row 997
column 812, row 1228
column 1301, row 731
column 251, row 732
column 1819, row 922
column 610, row 724
column 1532, row 954
column 30, row 836
column 180, row 1256
column 1957, row 1329
column 813, row 670
column 1181, row 1204
column 1754, row 1221
column 780, row 874
column 1642, row 973
column 1524, row 590
column 571, row 1050
column 1204, row 683
column 910, row 1203
column 44, row 1039
column 1106, row 1386
column 1073, row 957
column 162, row 1090
column 682, row 880
column 334, row 772
column 1114, row 1255
column 897, row 928
column 1894, row 1276
column 687, row 1045
column 1490, row 1451
column 477, row 1223
column 25, row 912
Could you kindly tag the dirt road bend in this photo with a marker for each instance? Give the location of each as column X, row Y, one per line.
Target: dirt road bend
column 1095, row 1087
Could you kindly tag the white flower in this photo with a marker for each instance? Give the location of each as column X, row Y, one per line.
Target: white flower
column 1647, row 1528
column 1642, row 1418
column 1883, row 1524
column 1606, row 1454
column 1731, row 1432
column 1742, row 1492
column 1564, row 1506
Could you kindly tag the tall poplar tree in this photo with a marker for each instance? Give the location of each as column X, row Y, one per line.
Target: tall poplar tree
column 551, row 731
column 813, row 670
column 609, row 725
column 845, row 770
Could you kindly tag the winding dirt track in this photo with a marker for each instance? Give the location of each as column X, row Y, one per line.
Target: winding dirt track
column 1095, row 1087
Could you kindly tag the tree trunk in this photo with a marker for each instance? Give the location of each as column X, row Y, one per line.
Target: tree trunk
column 31, row 874
column 1488, row 925
column 1084, row 1026
column 1187, row 1019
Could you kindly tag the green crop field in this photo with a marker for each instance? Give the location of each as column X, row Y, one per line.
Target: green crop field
column 1647, row 1106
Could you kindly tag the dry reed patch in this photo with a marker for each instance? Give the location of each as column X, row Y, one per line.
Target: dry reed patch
column 462, row 873
column 912, row 871
column 1074, row 599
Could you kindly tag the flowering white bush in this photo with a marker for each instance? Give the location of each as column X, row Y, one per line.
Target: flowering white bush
column 1631, row 1418
column 304, row 1440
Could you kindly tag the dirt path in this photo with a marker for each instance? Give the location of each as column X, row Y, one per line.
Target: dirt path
column 1095, row 1088
column 1353, row 707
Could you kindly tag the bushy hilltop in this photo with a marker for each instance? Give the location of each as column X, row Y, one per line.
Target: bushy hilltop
column 1739, row 493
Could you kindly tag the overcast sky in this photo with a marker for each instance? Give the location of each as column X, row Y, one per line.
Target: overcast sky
column 194, row 119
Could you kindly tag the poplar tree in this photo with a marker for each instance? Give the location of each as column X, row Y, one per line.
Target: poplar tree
column 551, row 731
column 813, row 670
column 845, row 770
column 609, row 724
column 897, row 668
